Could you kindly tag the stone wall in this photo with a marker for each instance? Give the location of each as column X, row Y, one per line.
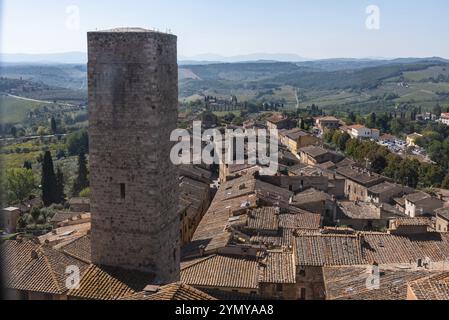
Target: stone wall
column 310, row 283
column 298, row 183
column 133, row 100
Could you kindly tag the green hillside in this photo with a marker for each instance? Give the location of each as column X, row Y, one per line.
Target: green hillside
column 334, row 84
column 66, row 76
column 14, row 110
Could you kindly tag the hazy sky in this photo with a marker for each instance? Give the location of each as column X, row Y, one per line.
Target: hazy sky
column 312, row 29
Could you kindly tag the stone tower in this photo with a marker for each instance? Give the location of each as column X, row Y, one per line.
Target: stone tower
column 133, row 102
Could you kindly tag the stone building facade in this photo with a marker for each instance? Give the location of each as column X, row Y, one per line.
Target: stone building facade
column 133, row 100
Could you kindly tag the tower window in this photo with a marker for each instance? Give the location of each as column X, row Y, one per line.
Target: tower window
column 122, row 191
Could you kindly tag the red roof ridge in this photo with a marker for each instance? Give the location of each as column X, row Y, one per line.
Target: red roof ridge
column 52, row 274
column 197, row 261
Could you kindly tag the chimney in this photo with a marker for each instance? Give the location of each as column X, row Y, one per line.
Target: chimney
column 361, row 237
column 34, row 255
column 151, row 289
column 202, row 250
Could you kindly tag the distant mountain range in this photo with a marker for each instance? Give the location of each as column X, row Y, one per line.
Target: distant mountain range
column 205, row 59
column 81, row 57
column 262, row 57
column 48, row 58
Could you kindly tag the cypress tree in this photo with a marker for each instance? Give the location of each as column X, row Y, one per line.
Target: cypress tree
column 373, row 120
column 28, row 165
column 48, row 180
column 81, row 181
column 54, row 127
column 445, row 184
column 60, row 196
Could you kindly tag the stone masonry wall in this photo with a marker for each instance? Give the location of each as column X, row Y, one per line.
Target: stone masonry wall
column 133, row 100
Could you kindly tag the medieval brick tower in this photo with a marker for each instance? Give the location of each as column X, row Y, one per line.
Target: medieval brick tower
column 133, row 99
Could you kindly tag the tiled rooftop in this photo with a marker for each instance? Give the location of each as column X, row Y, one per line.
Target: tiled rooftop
column 61, row 216
column 172, row 292
column 36, row 268
column 78, row 248
column 390, row 249
column 328, row 250
column 271, row 195
column 443, row 212
column 314, row 151
column 294, row 134
column 416, row 197
column 263, row 219
column 280, row 268
column 212, row 233
column 350, row 283
column 276, row 118
column 66, row 234
column 219, row 271
column 435, row 287
column 300, row 220
column 310, row 196
column 106, row 283
column 359, row 210
column 414, row 222
column 195, row 173
column 283, row 240
column 384, row 187
column 360, row 176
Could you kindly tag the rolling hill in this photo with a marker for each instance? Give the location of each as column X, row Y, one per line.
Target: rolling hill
column 361, row 84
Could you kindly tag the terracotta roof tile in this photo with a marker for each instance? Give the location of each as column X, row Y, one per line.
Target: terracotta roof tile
column 419, row 221
column 172, row 292
column 310, row 196
column 328, row 250
column 443, row 212
column 32, row 267
column 283, row 240
column 435, row 287
column 107, row 283
column 360, row 176
column 300, row 220
column 390, row 249
column 280, row 268
column 79, row 249
column 350, row 283
column 263, row 219
column 416, row 197
column 219, row 271
column 233, row 198
column 277, row 118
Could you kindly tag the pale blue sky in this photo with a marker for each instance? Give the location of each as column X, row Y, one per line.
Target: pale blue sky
column 313, row 29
